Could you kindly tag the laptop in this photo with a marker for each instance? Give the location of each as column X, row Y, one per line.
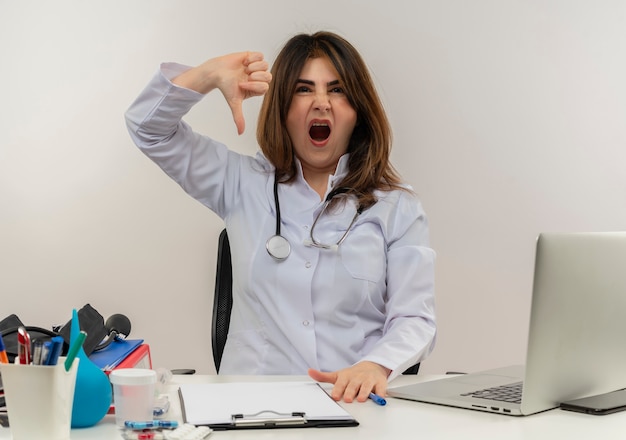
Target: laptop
column 577, row 333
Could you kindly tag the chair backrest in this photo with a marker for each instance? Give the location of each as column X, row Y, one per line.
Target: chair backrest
column 223, row 302
column 412, row 370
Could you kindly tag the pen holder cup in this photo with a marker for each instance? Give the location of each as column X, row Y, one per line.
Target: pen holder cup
column 39, row 399
column 133, row 394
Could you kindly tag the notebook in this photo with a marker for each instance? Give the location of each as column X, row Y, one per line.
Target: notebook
column 110, row 357
column 577, row 332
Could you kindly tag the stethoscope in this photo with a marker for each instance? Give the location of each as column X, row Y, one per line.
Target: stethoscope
column 278, row 246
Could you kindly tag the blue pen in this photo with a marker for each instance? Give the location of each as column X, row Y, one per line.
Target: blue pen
column 55, row 350
column 45, row 352
column 377, row 399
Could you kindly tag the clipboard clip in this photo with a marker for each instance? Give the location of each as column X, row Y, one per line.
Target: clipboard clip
column 268, row 418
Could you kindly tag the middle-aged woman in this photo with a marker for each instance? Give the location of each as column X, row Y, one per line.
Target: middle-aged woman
column 333, row 274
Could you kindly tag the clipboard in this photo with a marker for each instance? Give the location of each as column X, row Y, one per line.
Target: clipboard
column 261, row 405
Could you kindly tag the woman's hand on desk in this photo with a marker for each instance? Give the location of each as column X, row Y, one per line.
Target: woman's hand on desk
column 356, row 382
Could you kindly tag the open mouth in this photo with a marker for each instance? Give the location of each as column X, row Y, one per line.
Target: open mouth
column 319, row 132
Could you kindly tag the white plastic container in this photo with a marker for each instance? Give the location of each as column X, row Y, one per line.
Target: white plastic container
column 39, row 399
column 133, row 394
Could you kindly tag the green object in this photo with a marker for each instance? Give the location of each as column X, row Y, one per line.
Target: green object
column 76, row 346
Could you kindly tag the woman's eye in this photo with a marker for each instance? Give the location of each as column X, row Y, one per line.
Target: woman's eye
column 303, row 89
column 337, row 90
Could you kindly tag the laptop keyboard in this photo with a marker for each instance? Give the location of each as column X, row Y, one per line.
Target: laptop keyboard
column 511, row 393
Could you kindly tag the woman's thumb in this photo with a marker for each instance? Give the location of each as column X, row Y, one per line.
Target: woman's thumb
column 237, row 112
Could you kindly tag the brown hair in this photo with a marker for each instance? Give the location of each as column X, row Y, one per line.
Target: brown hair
column 370, row 143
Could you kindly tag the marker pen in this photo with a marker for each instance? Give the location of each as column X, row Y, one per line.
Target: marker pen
column 3, row 352
column 55, row 350
column 73, row 351
column 37, row 347
column 45, row 352
column 23, row 346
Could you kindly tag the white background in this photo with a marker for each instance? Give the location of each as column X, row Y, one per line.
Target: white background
column 508, row 117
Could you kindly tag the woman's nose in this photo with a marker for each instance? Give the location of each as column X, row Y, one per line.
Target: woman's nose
column 322, row 102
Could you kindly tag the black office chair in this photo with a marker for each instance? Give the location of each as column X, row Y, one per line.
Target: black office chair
column 223, row 302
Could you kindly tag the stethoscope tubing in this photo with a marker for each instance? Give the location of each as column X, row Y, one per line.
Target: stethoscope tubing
column 279, row 247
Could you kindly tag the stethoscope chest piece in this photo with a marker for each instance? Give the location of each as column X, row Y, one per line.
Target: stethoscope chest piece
column 278, row 247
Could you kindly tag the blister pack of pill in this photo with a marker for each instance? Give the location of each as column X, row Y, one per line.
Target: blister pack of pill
column 188, row 432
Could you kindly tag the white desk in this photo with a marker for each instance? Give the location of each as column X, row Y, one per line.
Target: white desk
column 400, row 419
